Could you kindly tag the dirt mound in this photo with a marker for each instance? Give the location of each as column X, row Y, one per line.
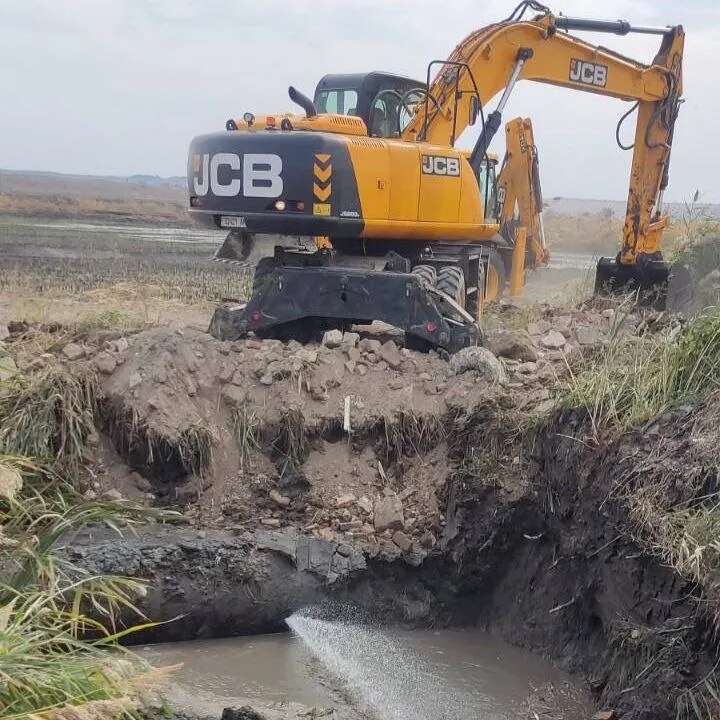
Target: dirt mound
column 351, row 439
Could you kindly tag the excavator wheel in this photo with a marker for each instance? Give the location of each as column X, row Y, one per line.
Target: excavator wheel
column 451, row 281
column 495, row 276
column 426, row 273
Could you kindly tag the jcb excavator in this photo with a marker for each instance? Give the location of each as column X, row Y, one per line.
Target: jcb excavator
column 393, row 222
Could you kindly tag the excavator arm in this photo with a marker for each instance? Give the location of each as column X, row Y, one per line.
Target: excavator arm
column 520, row 199
column 493, row 59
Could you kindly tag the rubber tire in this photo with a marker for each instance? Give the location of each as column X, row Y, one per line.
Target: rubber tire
column 495, row 263
column 263, row 270
column 451, row 281
column 426, row 273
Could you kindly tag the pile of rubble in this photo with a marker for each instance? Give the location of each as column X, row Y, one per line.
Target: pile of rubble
column 346, row 440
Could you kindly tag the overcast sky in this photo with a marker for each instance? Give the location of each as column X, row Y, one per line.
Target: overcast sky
column 118, row 87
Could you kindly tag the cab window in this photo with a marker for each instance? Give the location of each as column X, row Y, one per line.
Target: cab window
column 385, row 115
column 486, row 179
column 342, row 102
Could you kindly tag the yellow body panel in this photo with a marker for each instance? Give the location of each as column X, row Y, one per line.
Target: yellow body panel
column 404, row 181
column 371, row 164
column 401, row 201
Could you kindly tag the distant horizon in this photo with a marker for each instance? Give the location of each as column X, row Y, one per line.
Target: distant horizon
column 548, row 198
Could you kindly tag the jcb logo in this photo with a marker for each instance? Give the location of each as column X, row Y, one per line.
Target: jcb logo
column 219, row 174
column 588, row 73
column 440, row 165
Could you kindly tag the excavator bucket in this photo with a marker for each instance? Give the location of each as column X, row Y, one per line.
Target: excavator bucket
column 648, row 276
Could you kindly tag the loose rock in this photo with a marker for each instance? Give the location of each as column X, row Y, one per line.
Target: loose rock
column 279, row 498
column 388, row 513
column 553, row 340
column 402, row 541
column 480, row 359
column 105, row 363
column 73, row 351
column 513, row 344
column 332, row 338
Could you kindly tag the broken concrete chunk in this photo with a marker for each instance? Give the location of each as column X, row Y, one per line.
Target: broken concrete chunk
column 350, row 339
column 369, row 345
column 402, row 540
column 388, row 513
column 365, row 504
column 270, row 522
column 512, row 344
column 389, row 353
column 134, row 380
column 480, row 359
column 105, row 363
column 73, row 351
column 332, row 338
column 553, row 340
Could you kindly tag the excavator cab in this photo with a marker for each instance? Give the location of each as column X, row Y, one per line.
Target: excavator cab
column 383, row 100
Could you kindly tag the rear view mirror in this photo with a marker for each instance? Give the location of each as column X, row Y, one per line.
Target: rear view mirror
column 474, row 109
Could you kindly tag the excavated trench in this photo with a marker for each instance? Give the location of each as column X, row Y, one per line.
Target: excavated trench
column 537, row 552
column 516, row 529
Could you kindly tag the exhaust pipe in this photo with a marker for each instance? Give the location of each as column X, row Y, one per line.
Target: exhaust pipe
column 303, row 101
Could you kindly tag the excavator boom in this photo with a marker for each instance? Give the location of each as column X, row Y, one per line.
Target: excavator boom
column 493, row 59
column 520, row 200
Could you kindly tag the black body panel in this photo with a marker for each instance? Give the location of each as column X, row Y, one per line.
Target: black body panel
column 244, row 173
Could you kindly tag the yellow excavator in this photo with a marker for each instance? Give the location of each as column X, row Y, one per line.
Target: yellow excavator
column 392, row 221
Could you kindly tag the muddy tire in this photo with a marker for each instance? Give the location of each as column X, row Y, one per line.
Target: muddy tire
column 426, row 273
column 451, row 281
column 495, row 276
column 263, row 270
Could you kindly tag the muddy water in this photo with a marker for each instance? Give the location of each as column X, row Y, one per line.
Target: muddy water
column 384, row 674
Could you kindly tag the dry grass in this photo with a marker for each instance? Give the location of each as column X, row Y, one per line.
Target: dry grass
column 637, row 378
column 48, row 415
column 245, row 423
column 49, row 665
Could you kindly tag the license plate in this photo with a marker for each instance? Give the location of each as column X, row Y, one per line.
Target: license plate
column 232, row 221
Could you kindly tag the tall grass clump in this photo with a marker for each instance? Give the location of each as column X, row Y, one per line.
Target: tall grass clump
column 48, row 415
column 638, row 377
column 60, row 624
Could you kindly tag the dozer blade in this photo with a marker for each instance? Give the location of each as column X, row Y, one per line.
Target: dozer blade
column 648, row 276
column 301, row 302
column 237, row 247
